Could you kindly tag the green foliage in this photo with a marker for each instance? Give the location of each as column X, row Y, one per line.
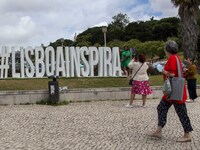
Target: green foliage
column 145, row 36
column 119, row 21
column 185, row 2
column 116, row 29
column 92, row 36
column 91, row 82
column 84, row 43
column 84, row 40
column 97, row 45
column 46, row 102
column 161, row 29
column 133, row 43
column 137, row 30
column 120, row 29
column 151, row 49
column 116, row 43
column 42, row 102
column 160, row 51
column 152, row 30
column 58, row 43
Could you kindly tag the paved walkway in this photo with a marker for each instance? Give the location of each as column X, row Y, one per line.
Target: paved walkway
column 105, row 125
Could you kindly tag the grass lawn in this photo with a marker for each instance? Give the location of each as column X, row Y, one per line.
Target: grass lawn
column 87, row 82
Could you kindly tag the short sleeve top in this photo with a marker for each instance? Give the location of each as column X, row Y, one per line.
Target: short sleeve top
column 171, row 67
column 126, row 54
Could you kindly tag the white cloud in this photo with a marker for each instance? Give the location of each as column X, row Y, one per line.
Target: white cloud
column 101, row 24
column 33, row 22
column 166, row 7
column 17, row 32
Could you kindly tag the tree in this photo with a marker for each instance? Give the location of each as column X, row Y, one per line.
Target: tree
column 153, row 29
column 116, row 28
column 152, row 49
column 66, row 42
column 188, row 12
column 133, row 43
column 116, row 43
column 92, row 35
column 165, row 28
column 139, row 30
column 84, row 40
column 120, row 21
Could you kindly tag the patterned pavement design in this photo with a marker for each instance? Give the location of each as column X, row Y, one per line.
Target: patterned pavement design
column 102, row 125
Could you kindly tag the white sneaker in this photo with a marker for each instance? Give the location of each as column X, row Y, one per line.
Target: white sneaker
column 189, row 101
column 129, row 106
column 144, row 106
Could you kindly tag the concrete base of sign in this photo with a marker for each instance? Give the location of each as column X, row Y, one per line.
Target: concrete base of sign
column 75, row 95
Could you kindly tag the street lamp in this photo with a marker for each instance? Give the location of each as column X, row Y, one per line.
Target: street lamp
column 104, row 30
column 75, row 37
column 62, row 41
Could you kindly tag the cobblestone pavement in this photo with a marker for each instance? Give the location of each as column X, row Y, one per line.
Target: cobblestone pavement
column 105, row 125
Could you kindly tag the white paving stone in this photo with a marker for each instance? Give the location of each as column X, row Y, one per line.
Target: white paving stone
column 101, row 125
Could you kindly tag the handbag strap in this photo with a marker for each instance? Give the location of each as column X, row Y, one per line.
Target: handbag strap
column 137, row 71
column 179, row 68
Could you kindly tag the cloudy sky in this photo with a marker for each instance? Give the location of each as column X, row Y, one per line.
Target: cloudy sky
column 32, row 22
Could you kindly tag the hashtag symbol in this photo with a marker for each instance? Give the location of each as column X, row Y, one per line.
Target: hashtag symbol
column 4, row 65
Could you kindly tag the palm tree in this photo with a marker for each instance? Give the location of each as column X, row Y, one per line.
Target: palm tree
column 188, row 12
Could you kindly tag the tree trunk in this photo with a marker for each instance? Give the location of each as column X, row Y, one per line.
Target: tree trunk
column 189, row 29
